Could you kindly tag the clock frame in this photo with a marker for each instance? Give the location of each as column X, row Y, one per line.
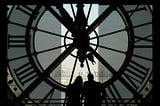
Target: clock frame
column 133, row 78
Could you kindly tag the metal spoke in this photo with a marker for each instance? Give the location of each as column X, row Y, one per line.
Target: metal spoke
column 41, row 30
column 55, row 34
column 107, row 34
column 54, row 48
column 24, row 56
column 104, row 47
column 124, row 29
column 73, row 70
column 88, row 66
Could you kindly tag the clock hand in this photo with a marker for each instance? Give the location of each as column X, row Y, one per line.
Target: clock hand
column 80, row 19
column 106, row 64
column 64, row 14
column 115, row 74
column 100, row 19
column 44, row 75
column 65, row 18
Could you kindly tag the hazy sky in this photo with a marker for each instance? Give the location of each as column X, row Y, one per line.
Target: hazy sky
column 66, row 65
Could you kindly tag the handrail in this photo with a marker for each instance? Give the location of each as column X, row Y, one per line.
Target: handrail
column 61, row 101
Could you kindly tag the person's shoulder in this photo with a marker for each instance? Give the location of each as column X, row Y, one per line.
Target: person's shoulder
column 98, row 83
column 85, row 82
column 70, row 85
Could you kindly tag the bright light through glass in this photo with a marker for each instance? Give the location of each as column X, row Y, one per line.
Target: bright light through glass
column 68, row 63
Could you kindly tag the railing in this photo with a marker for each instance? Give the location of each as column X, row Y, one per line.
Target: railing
column 111, row 102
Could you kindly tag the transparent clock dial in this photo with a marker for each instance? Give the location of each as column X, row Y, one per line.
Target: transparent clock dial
column 120, row 49
column 51, row 38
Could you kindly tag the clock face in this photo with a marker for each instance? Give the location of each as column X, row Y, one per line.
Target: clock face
column 49, row 46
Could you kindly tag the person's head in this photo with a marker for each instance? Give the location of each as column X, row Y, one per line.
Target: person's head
column 90, row 77
column 78, row 80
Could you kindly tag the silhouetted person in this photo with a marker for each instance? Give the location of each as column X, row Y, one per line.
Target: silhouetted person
column 74, row 92
column 93, row 92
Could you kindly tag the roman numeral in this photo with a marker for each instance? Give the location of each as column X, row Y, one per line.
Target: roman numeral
column 135, row 74
column 17, row 24
column 143, row 24
column 18, row 57
column 143, row 40
column 113, row 94
column 144, row 43
column 25, row 73
column 16, row 41
column 25, row 9
column 136, row 9
column 143, row 46
column 142, row 57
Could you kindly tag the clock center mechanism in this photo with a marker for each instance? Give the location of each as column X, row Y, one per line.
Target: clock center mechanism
column 82, row 43
column 81, row 38
column 39, row 52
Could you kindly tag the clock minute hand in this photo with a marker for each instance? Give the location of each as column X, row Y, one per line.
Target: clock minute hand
column 64, row 14
column 80, row 18
column 104, row 62
column 65, row 18
column 100, row 19
column 115, row 73
column 44, row 75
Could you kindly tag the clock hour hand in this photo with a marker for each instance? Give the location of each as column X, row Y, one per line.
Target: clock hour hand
column 64, row 14
column 65, row 18
column 80, row 18
column 104, row 62
column 44, row 74
column 100, row 19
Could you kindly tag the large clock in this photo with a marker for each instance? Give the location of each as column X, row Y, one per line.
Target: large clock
column 49, row 46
